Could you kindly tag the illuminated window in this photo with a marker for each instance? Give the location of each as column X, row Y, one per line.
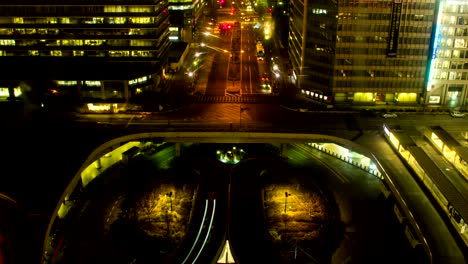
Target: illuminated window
column 460, row 43
column 443, row 75
column 139, row 9
column 67, row 83
column 4, row 92
column 140, row 53
column 115, row 9
column 445, row 64
column 78, row 53
column 138, row 80
column 64, row 20
column 141, row 43
column 93, row 42
column 447, row 53
column 141, row 20
column 452, row 75
column 56, row 53
column 7, row 42
column 33, row 53
column 52, row 20
column 17, row 91
column 18, row 20
column 72, row 42
column 119, row 53
column 117, row 20
column 93, row 83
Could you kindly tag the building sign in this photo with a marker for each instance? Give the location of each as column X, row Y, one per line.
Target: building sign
column 394, row 29
column 434, row 99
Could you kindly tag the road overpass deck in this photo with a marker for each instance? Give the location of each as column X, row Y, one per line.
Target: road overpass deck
column 443, row 246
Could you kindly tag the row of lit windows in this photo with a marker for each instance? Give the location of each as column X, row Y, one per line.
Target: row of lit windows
column 56, row 31
column 445, row 64
column 379, row 73
column 373, row 39
column 381, row 16
column 131, row 9
column 449, row 53
column 451, row 31
column 370, row 27
column 455, row 54
column 63, row 9
column 443, row 75
column 90, row 20
column 78, row 53
column 454, row 20
column 380, row 51
column 5, row 92
column 379, row 39
column 385, row 4
column 454, row 8
column 449, row 43
column 403, row 83
column 380, row 62
column 98, row 83
column 78, row 42
column 180, row 1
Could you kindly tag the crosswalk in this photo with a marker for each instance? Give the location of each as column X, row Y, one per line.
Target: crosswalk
column 253, row 99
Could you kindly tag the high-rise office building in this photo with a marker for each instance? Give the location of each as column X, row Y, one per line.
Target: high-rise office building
column 100, row 49
column 361, row 52
column 185, row 15
column 448, row 77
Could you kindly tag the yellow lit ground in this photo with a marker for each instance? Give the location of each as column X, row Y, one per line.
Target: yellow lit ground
column 304, row 215
column 153, row 212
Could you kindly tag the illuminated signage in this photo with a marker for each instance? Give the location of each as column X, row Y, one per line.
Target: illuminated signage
column 102, row 107
column 434, row 99
column 394, row 29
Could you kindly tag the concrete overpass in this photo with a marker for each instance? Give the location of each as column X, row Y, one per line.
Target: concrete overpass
column 115, row 151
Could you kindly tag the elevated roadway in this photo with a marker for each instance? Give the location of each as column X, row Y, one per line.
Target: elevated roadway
column 424, row 228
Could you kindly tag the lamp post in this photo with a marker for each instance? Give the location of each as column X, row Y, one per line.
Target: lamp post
column 286, row 194
column 242, row 109
column 170, row 198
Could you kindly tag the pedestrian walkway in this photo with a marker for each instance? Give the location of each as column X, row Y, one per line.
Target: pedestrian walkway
column 442, row 247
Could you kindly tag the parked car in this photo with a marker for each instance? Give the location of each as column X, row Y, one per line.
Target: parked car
column 457, row 114
column 389, row 115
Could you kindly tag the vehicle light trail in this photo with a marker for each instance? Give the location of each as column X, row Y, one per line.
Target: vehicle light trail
column 199, row 232
column 207, row 233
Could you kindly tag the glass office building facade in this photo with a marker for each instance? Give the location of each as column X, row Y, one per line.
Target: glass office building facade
column 361, row 52
column 448, row 77
column 102, row 49
column 185, row 16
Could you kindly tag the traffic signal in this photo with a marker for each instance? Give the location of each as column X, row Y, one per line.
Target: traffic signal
column 270, row 9
column 231, row 11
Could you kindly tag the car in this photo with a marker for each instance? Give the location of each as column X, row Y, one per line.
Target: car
column 389, row 115
column 457, row 114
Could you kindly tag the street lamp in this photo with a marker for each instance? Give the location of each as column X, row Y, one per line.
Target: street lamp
column 170, row 198
column 286, row 194
column 242, row 109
